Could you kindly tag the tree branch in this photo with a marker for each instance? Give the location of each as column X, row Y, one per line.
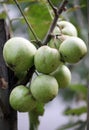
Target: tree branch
column 28, row 24
column 28, row 77
column 58, row 11
column 53, row 7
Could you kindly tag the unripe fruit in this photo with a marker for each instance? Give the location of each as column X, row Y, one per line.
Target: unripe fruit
column 44, row 88
column 56, row 31
column 21, row 99
column 20, row 75
column 19, row 54
column 67, row 28
column 73, row 49
column 46, row 59
column 56, row 42
column 62, row 75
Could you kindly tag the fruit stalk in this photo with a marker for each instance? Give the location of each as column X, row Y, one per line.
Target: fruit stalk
column 28, row 77
column 58, row 11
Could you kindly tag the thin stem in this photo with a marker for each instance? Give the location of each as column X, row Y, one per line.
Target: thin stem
column 27, row 22
column 32, row 122
column 36, row 73
column 53, row 7
column 62, row 6
column 60, row 9
column 28, row 76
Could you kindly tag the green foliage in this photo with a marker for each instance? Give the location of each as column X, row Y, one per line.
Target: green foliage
column 79, row 88
column 38, row 15
column 78, row 125
column 12, row 1
column 76, row 111
column 56, row 2
column 34, row 116
column 2, row 15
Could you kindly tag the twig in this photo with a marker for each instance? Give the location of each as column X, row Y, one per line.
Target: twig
column 29, row 25
column 55, row 9
column 58, row 11
column 28, row 76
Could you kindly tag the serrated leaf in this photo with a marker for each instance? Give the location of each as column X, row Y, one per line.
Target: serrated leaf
column 39, row 18
column 76, row 111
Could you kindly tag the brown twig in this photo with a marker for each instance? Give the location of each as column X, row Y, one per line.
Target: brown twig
column 28, row 76
column 58, row 11
column 55, row 9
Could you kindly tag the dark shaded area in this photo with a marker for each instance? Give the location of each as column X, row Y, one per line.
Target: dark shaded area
column 8, row 117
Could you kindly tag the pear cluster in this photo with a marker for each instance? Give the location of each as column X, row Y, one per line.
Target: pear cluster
column 50, row 63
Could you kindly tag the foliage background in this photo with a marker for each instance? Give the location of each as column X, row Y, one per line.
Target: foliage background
column 40, row 15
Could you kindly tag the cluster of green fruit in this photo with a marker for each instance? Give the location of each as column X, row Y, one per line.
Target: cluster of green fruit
column 49, row 61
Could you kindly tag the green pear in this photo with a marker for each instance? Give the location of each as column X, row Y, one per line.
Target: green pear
column 44, row 88
column 46, row 59
column 21, row 99
column 61, row 32
column 19, row 54
column 56, row 31
column 67, row 28
column 72, row 50
column 56, row 41
column 21, row 75
column 62, row 75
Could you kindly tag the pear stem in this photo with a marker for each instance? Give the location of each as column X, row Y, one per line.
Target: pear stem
column 57, row 11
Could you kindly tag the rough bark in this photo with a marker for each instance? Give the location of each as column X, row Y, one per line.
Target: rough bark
column 8, row 117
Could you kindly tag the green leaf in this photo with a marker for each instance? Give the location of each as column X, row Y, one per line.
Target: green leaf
column 72, row 9
column 79, row 88
column 39, row 17
column 56, row 2
column 12, row 1
column 76, row 111
column 82, row 126
column 2, row 15
column 34, row 116
column 71, row 125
